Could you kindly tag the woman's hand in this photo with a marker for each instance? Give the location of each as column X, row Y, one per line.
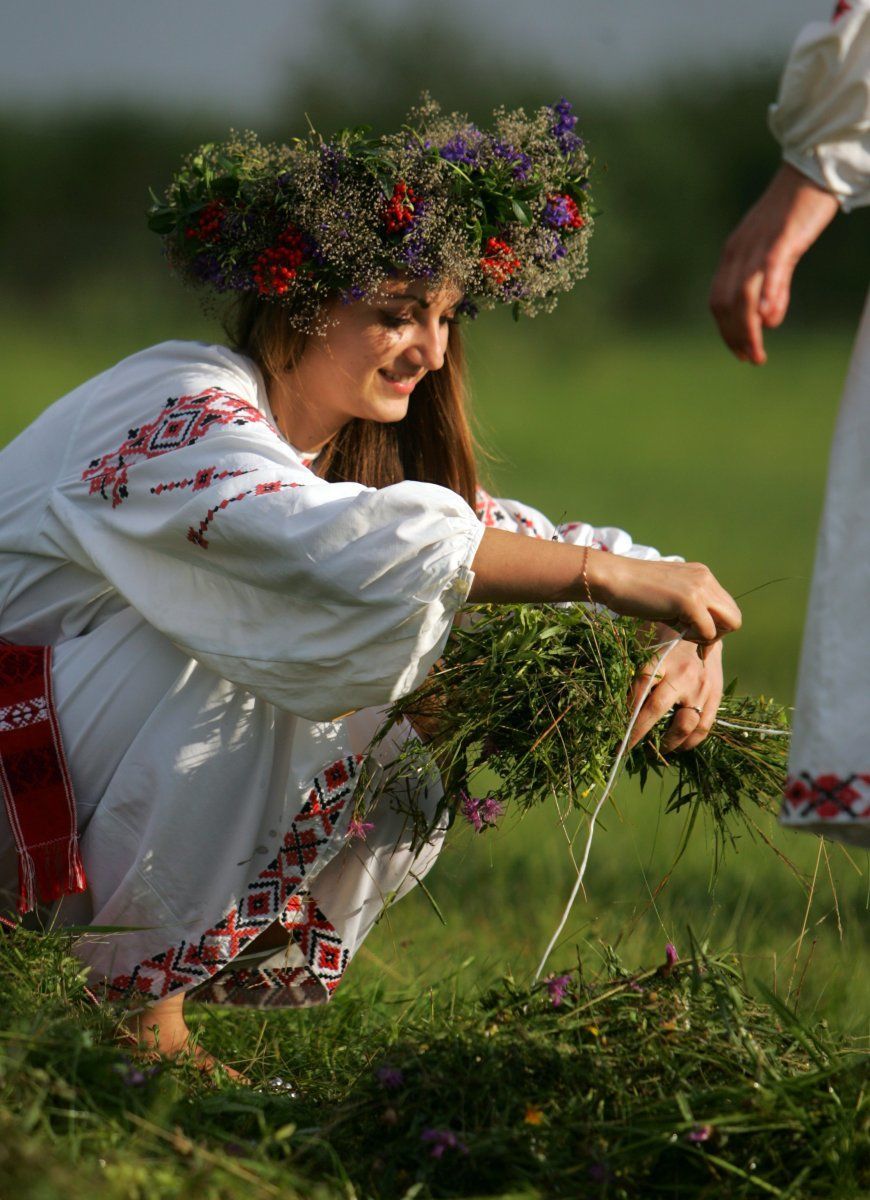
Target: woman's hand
column 684, row 682
column 751, row 287
column 685, row 595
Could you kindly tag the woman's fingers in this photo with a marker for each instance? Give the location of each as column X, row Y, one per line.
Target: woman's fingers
column 659, row 702
column 775, row 293
column 710, row 611
column 705, row 721
column 683, row 725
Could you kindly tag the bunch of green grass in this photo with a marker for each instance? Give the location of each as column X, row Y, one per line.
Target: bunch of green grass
column 539, row 696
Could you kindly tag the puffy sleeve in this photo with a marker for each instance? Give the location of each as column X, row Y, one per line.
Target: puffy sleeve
column 521, row 518
column 822, row 114
column 320, row 597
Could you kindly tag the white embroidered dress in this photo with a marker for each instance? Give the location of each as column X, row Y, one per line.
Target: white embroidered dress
column 216, row 611
column 822, row 120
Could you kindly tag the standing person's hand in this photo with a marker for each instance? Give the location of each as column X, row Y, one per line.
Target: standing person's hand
column 751, row 287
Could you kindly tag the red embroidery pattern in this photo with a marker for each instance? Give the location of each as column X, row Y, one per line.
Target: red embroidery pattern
column 197, row 535
column 275, row 895
column 594, row 543
column 492, row 512
column 489, row 511
column 266, row 987
column 183, row 421
column 35, row 783
column 827, row 797
column 202, row 479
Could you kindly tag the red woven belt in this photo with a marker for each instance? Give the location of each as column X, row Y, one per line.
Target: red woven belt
column 35, row 779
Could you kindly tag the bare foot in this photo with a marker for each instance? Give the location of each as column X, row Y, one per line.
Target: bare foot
column 160, row 1032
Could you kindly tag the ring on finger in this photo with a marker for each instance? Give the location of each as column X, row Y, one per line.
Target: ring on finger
column 693, row 707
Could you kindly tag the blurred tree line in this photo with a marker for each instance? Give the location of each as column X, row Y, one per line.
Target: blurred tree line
column 675, row 169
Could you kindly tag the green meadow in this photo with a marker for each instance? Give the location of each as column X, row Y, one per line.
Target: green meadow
column 662, row 434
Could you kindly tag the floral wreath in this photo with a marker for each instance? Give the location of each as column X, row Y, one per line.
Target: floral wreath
column 504, row 215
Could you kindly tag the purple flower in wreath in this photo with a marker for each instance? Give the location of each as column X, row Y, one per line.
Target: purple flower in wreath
column 464, row 147
column 521, row 164
column 354, row 292
column 331, row 161
column 561, row 211
column 700, row 1133
column 563, row 127
column 207, row 269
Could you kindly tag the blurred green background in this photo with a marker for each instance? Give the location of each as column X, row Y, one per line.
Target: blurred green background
column 623, row 408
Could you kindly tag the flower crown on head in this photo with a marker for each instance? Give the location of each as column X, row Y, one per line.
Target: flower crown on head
column 504, row 215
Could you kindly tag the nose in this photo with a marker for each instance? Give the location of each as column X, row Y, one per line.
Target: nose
column 429, row 345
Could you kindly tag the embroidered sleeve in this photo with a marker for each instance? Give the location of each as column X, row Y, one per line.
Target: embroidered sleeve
column 822, row 114
column 320, row 597
column 521, row 518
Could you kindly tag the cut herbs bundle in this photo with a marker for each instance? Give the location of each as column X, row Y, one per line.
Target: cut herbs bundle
column 539, row 697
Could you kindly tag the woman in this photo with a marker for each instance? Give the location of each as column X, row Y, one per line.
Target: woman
column 822, row 120
column 240, row 556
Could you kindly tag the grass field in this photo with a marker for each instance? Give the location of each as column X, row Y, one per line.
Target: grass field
column 662, row 435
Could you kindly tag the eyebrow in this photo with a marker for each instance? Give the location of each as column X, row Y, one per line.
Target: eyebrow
column 404, row 297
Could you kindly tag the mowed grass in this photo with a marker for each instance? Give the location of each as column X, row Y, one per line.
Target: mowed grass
column 666, row 437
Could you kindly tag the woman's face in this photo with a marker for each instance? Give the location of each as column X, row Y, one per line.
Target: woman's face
column 369, row 360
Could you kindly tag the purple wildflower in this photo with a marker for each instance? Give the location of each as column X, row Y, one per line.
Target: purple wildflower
column 671, row 956
column 441, row 1140
column 700, row 1133
column 467, row 309
column 481, row 813
column 239, row 1149
column 359, row 829
column 132, row 1076
column 390, row 1077
column 563, row 127
column 491, row 809
column 557, row 987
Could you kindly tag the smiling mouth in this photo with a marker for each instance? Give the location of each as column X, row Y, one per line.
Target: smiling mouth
column 395, row 378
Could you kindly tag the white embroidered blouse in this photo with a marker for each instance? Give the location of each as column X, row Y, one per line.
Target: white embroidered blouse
column 216, row 611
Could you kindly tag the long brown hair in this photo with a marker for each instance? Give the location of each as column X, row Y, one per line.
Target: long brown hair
column 433, row 444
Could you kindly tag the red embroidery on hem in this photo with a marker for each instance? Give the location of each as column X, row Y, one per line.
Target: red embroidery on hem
column 826, row 797
column 274, row 895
